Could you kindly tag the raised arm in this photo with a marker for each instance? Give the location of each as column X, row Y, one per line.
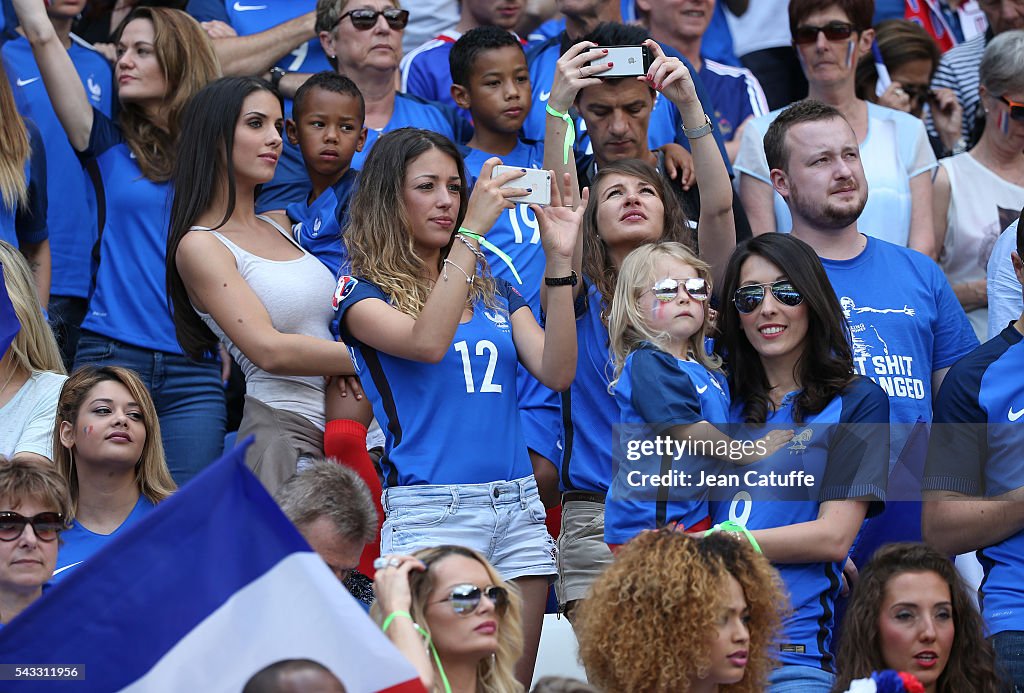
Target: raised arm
column 214, row 285
column 428, row 337
column 256, row 53
column 716, row 228
column 59, row 75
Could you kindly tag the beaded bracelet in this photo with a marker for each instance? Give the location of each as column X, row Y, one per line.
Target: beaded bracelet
column 444, row 275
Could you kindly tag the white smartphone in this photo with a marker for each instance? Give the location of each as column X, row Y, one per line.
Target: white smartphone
column 627, row 61
column 536, row 179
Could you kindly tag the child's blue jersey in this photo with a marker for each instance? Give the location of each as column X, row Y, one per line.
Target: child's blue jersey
column 454, row 422
column 845, row 448
column 319, row 225
column 71, row 213
column 656, row 392
column 27, row 223
column 975, row 449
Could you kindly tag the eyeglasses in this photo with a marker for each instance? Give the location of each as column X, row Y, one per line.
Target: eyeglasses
column 1016, row 108
column 668, row 289
column 465, row 599
column 748, row 298
column 918, row 93
column 46, row 525
column 364, row 20
column 834, row 31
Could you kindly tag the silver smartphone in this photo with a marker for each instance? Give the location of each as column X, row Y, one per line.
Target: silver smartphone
column 536, row 179
column 627, row 61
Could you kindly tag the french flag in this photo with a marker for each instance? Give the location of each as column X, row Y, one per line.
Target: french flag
column 210, row 588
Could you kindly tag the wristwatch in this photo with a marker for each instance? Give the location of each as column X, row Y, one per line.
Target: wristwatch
column 276, row 74
column 697, row 133
column 571, row 280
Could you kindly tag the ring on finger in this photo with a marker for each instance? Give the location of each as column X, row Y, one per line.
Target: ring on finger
column 380, row 563
column 394, row 562
column 582, row 76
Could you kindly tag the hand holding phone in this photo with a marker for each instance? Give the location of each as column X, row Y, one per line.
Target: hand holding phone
column 537, row 180
column 626, row 61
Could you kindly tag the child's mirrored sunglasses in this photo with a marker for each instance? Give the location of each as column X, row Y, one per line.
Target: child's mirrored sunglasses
column 668, row 289
column 748, row 298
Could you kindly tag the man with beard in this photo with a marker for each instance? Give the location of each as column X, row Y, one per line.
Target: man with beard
column 897, row 297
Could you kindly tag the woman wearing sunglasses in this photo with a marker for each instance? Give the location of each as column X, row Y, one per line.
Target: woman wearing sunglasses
column 107, row 447
column 980, row 192
column 363, row 41
column 791, row 366
column 450, row 613
column 829, row 38
column 34, row 507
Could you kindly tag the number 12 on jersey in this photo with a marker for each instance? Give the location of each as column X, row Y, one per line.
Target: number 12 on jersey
column 483, row 347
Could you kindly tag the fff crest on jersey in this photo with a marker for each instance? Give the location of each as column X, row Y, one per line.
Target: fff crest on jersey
column 345, row 286
column 800, row 440
column 499, row 320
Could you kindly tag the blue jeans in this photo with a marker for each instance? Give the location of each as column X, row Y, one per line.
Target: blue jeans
column 797, row 679
column 188, row 395
column 1009, row 647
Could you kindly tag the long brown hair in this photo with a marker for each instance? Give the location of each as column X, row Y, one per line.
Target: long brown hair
column 379, row 242
column 597, row 261
column 14, row 149
column 971, row 665
column 151, row 474
column 186, row 57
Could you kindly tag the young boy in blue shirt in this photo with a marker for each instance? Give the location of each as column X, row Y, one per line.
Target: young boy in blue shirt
column 327, row 126
column 491, row 80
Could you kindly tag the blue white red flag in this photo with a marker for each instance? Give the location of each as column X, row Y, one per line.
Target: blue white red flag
column 212, row 586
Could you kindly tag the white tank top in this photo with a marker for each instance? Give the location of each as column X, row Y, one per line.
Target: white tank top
column 296, row 294
column 981, row 205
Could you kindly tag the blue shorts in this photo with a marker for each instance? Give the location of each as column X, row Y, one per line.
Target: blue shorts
column 503, row 520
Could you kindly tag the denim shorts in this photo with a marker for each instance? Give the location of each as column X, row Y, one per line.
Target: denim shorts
column 503, row 520
column 793, row 678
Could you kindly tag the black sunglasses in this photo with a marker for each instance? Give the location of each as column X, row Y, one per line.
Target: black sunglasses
column 364, row 20
column 668, row 289
column 748, row 298
column 1016, row 108
column 834, row 31
column 465, row 599
column 46, row 525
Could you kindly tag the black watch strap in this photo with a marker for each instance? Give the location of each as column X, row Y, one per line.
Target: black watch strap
column 276, row 74
column 571, row 280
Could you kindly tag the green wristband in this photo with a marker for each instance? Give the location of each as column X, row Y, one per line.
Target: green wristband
column 391, row 617
column 570, row 132
column 730, row 526
column 493, row 248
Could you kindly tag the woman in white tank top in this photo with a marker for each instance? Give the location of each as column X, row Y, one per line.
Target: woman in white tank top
column 238, row 278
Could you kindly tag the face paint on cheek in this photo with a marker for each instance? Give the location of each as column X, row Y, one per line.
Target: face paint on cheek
column 850, row 47
column 87, row 430
column 1003, row 121
column 658, row 308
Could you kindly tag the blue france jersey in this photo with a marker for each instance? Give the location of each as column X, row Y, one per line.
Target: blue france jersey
column 588, row 410
column 906, row 323
column 319, row 225
column 254, row 16
column 975, row 450
column 27, row 223
column 129, row 303
column 427, row 74
column 79, row 544
column 516, row 231
column 71, row 212
column 736, row 94
column 846, row 449
column 655, row 392
column 454, row 422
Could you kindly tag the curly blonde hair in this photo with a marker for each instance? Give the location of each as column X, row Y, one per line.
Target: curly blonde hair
column 665, row 590
column 378, row 239
column 493, row 674
column 627, row 325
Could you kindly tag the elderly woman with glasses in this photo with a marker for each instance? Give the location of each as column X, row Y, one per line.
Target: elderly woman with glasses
column 34, row 508
column 790, row 364
column 829, row 37
column 450, row 613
